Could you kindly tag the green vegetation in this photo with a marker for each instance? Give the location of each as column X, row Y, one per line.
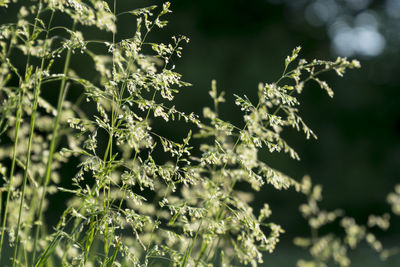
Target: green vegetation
column 126, row 204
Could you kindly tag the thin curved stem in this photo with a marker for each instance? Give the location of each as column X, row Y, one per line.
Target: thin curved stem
column 16, row 139
column 61, row 97
column 31, row 134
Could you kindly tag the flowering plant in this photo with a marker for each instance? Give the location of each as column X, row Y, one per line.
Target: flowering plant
column 125, row 206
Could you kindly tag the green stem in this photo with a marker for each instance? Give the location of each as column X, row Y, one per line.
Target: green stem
column 31, row 134
column 61, row 97
column 187, row 254
column 215, row 250
column 109, row 151
column 17, row 126
column 11, row 179
column 111, row 262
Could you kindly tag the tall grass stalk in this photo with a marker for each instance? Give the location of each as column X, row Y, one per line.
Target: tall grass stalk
column 28, row 70
column 11, row 178
column 38, row 85
column 61, row 97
